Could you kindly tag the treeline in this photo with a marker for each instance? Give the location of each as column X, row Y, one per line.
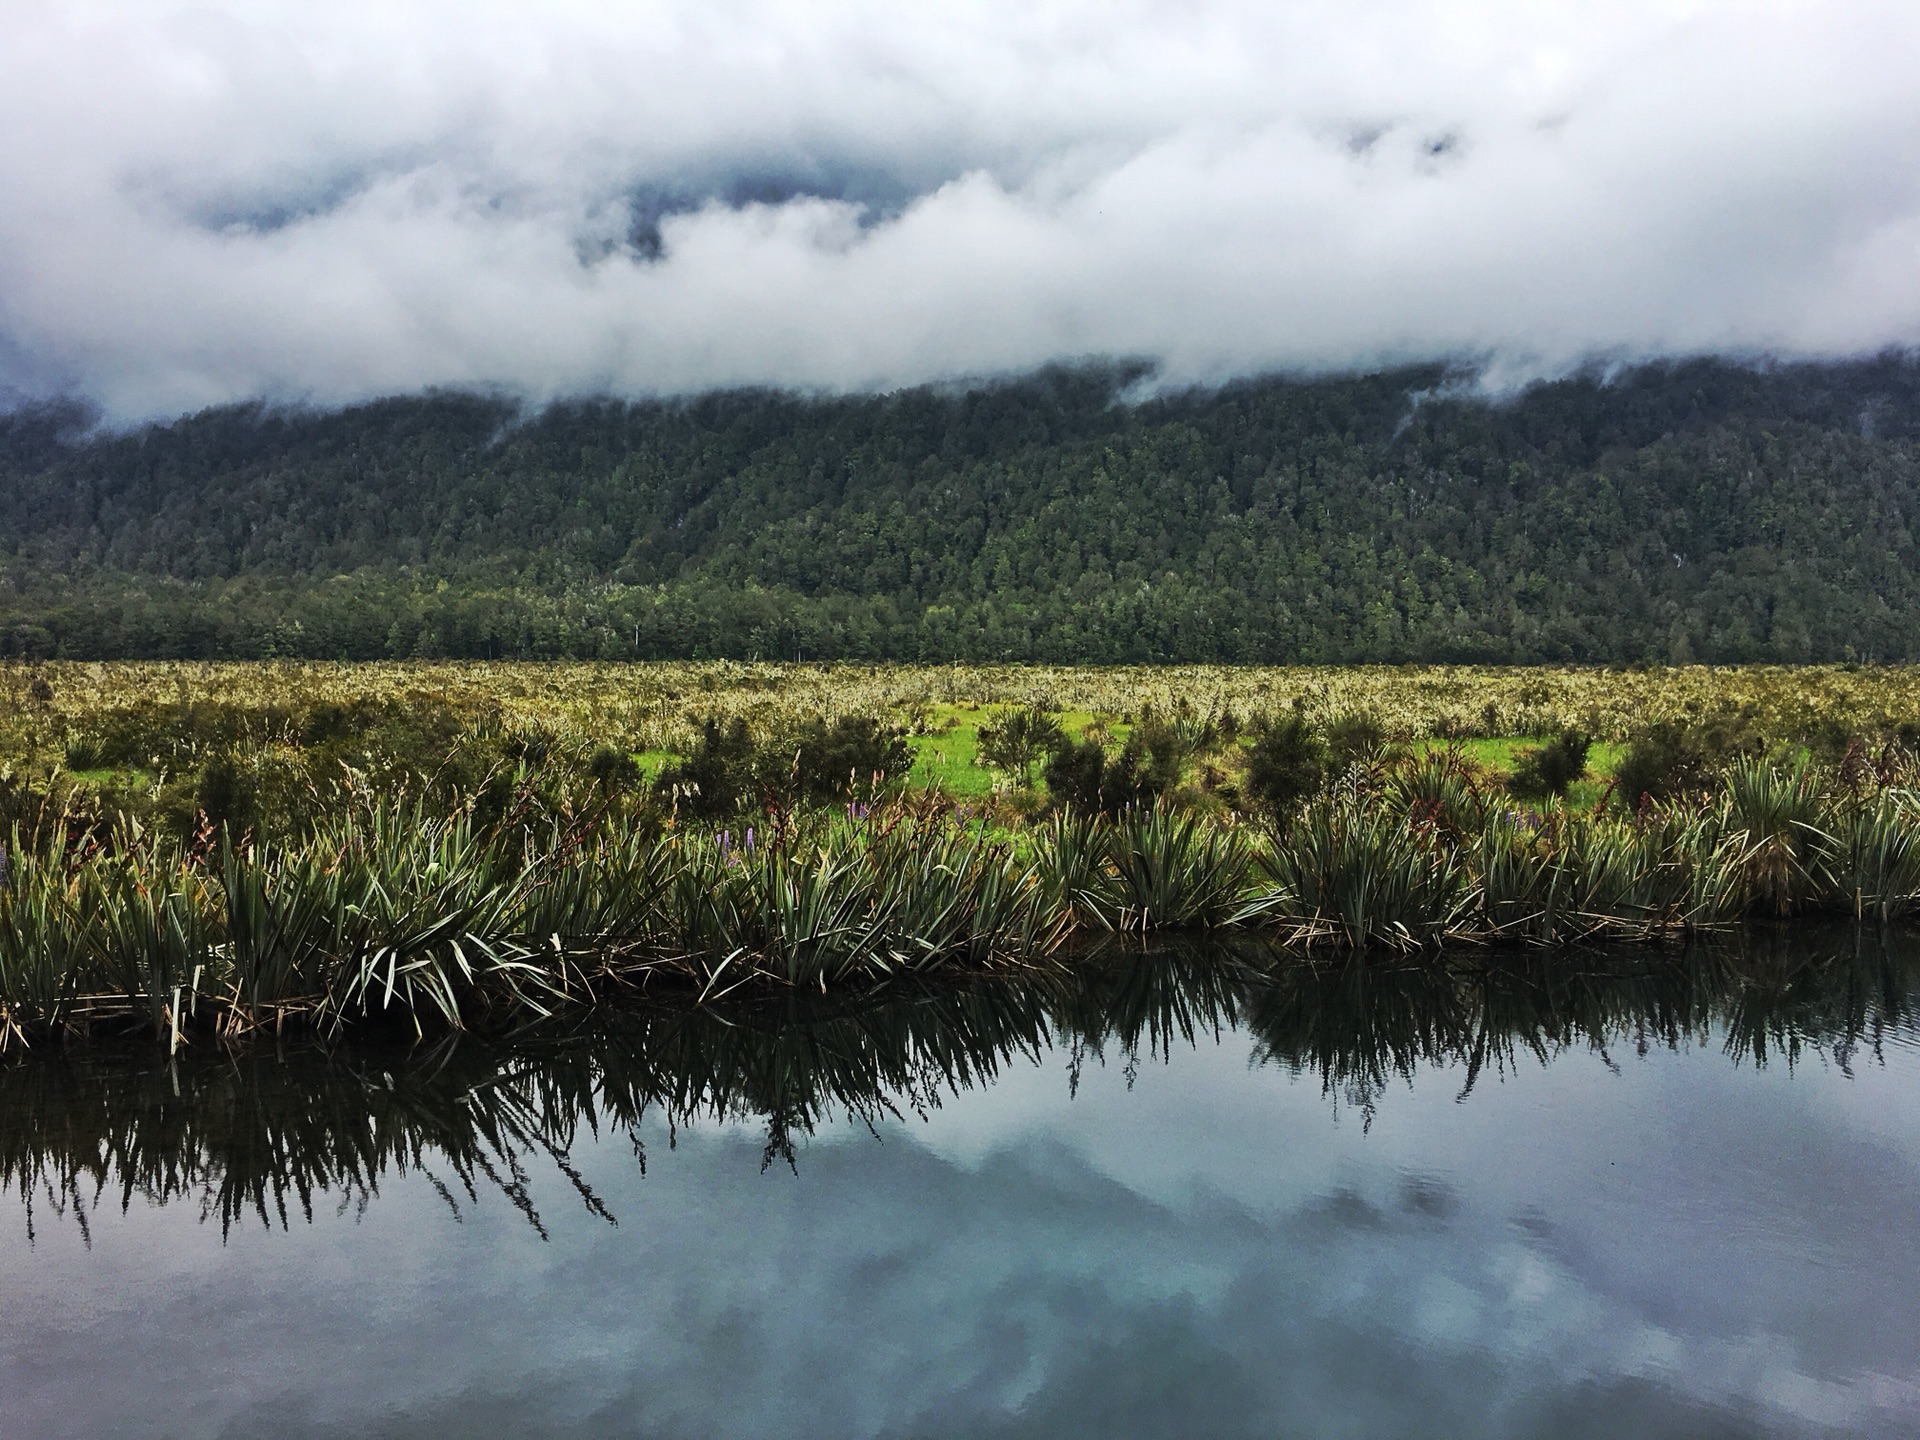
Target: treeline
column 1699, row 511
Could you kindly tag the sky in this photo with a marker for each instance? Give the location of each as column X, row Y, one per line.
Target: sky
column 322, row 203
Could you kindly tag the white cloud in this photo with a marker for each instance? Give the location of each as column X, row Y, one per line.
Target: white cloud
column 200, row 203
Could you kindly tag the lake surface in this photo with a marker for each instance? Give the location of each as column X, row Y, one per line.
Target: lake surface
column 1647, row 1195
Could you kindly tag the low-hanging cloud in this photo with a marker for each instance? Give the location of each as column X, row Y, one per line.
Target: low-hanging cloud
column 217, row 201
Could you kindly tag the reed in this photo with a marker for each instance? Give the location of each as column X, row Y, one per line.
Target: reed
column 43, row 950
column 1169, row 868
column 1779, row 814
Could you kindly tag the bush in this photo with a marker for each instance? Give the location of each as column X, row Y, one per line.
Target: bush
column 831, row 763
column 226, row 796
column 612, row 769
column 1018, row 739
column 1074, row 776
column 717, row 774
column 1675, row 757
column 1084, row 778
column 1550, row 770
column 1658, row 761
column 1147, row 767
column 1286, row 765
column 816, row 764
column 1354, row 738
column 84, row 752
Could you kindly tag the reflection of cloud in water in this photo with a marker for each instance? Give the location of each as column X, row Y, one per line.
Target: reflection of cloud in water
column 1679, row 1243
column 1027, row 1291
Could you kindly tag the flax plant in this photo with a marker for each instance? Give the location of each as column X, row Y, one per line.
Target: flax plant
column 1171, row 868
column 1352, row 872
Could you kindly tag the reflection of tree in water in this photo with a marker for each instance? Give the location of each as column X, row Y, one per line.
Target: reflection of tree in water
column 270, row 1134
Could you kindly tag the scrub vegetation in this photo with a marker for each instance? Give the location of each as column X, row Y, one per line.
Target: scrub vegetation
column 230, row 848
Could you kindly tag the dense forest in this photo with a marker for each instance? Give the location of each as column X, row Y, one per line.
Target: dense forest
column 1693, row 511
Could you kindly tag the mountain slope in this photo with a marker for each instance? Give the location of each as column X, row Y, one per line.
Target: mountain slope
column 1696, row 511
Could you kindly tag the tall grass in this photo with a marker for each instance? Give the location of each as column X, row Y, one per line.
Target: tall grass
column 438, row 920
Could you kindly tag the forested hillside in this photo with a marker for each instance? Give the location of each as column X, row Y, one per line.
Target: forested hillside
column 1700, row 511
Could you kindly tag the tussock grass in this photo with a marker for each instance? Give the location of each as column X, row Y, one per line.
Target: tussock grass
column 395, row 910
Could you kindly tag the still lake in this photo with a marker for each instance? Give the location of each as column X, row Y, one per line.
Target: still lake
column 1596, row 1194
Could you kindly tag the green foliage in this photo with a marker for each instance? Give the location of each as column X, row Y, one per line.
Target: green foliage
column 1076, row 774
column 1678, row 513
column 1355, row 738
column 1357, row 874
column 728, row 770
column 1675, row 757
column 1286, row 765
column 1777, row 815
column 1548, row 771
column 1172, row 869
column 854, row 755
column 224, row 795
column 612, row 768
column 394, row 908
column 1019, row 739
column 1082, row 776
column 717, row 774
column 464, row 845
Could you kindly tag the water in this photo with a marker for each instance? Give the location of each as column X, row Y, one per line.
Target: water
column 1647, row 1195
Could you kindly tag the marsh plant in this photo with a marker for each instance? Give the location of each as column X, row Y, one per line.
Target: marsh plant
column 395, row 912
column 195, row 849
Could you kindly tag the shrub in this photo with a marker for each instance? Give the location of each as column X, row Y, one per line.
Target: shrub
column 612, row 768
column 226, row 794
column 84, row 752
column 1354, row 738
column 1146, row 769
column 828, row 763
column 1018, row 739
column 1286, row 765
column 1680, row 757
column 714, row 777
column 1085, row 778
column 815, row 764
column 1075, row 776
column 1550, row 770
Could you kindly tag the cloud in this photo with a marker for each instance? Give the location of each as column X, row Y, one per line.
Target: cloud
column 209, row 202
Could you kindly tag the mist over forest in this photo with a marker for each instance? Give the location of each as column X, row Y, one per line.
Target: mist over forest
column 377, row 254
column 1682, row 511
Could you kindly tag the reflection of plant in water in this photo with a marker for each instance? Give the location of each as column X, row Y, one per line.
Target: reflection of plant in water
column 1361, row 1026
column 270, row 1134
